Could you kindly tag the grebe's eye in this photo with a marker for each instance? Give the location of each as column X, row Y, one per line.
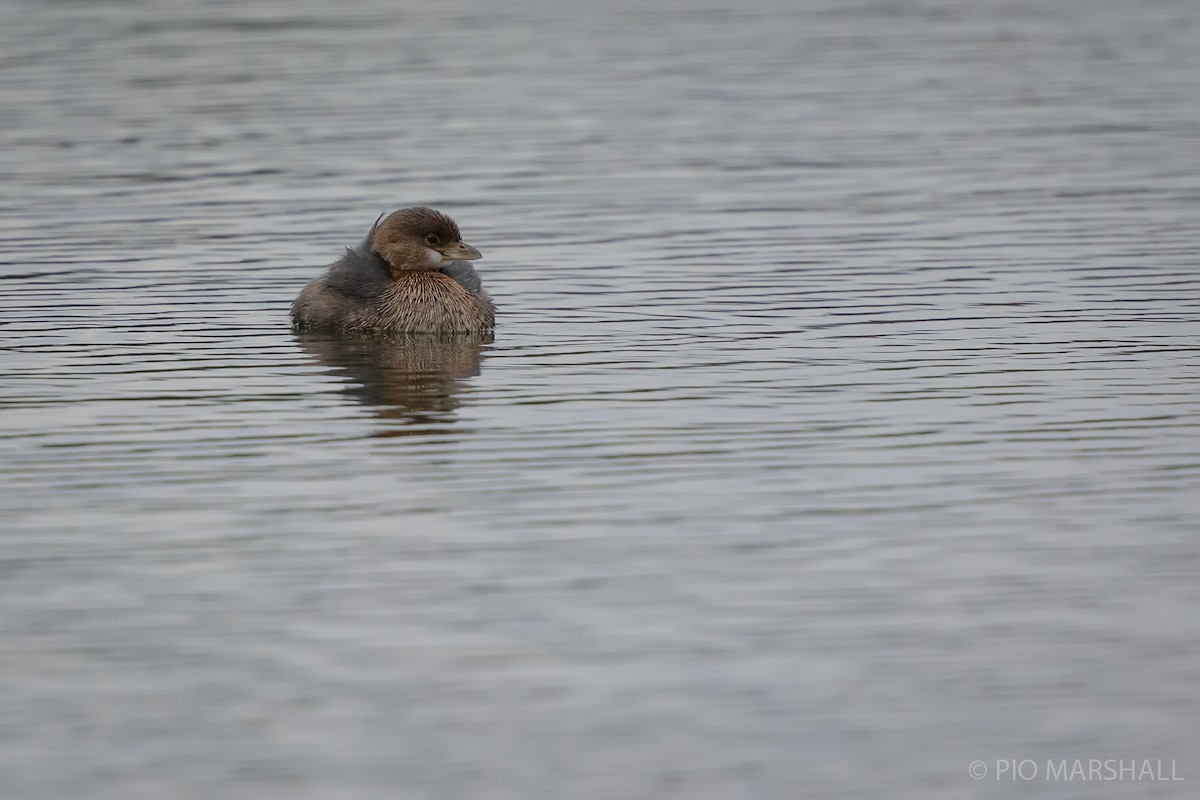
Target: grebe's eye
column 431, row 238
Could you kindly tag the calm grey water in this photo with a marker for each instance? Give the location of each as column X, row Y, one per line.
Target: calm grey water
column 840, row 427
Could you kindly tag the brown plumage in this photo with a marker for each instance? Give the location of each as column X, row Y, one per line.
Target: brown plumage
column 410, row 275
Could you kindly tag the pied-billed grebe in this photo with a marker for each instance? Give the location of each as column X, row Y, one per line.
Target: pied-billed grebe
column 410, row 275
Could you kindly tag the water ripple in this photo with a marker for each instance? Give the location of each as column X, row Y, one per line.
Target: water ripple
column 840, row 426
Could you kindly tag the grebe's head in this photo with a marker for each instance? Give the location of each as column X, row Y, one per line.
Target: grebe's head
column 419, row 239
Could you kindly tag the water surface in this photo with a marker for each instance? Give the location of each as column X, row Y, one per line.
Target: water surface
column 840, row 427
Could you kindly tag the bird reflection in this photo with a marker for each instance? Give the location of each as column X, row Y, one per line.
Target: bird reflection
column 417, row 379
